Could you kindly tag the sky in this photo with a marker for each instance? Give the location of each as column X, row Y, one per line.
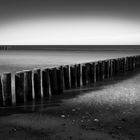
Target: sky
column 69, row 22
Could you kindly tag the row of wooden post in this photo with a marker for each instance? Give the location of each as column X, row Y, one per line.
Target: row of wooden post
column 42, row 83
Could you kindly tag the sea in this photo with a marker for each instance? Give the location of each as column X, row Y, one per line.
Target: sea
column 18, row 60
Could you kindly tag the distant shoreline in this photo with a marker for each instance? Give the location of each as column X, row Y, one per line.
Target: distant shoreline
column 72, row 47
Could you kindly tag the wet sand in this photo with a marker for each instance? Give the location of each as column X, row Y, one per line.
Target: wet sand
column 109, row 110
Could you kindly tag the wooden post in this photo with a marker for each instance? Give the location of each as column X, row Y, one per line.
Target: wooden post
column 130, row 61
column 19, row 87
column 137, row 61
column 46, row 83
column 60, row 80
column 94, row 67
column 7, row 91
column 92, row 72
column 97, row 71
column 88, row 73
column 113, row 67
column 123, row 65
column 127, row 64
column 73, row 73
column 37, row 83
column 1, row 96
column 79, row 75
column 66, row 77
column 133, row 58
column 118, row 66
column 110, row 68
column 103, row 70
column 28, row 85
column 84, row 80
column 101, row 63
column 107, row 67
column 53, row 81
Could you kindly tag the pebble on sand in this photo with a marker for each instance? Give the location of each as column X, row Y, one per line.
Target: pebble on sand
column 63, row 116
column 96, row 120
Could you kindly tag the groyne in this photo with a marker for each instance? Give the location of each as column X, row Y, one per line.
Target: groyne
column 37, row 84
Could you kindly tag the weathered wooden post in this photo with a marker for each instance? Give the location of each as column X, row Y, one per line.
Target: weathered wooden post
column 134, row 62
column 121, row 65
column 92, row 72
column 53, row 81
column 94, row 67
column 124, row 61
column 28, row 85
column 113, row 67
column 88, row 73
column 66, row 71
column 60, row 80
column 103, row 69
column 118, row 66
column 100, row 69
column 110, row 68
column 37, row 83
column 7, row 91
column 46, row 83
column 79, row 75
column 130, row 63
column 138, row 61
column 73, row 73
column 97, row 71
column 107, row 69
column 84, row 77
column 127, row 64
column 1, row 96
column 19, row 87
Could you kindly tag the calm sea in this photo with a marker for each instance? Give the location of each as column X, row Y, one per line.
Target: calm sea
column 12, row 61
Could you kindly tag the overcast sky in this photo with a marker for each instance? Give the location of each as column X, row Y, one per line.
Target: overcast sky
column 69, row 22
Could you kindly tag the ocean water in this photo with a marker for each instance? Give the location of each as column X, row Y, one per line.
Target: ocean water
column 13, row 61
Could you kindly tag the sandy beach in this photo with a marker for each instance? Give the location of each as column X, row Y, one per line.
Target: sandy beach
column 108, row 110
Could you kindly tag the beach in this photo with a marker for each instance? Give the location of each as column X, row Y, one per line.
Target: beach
column 106, row 110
